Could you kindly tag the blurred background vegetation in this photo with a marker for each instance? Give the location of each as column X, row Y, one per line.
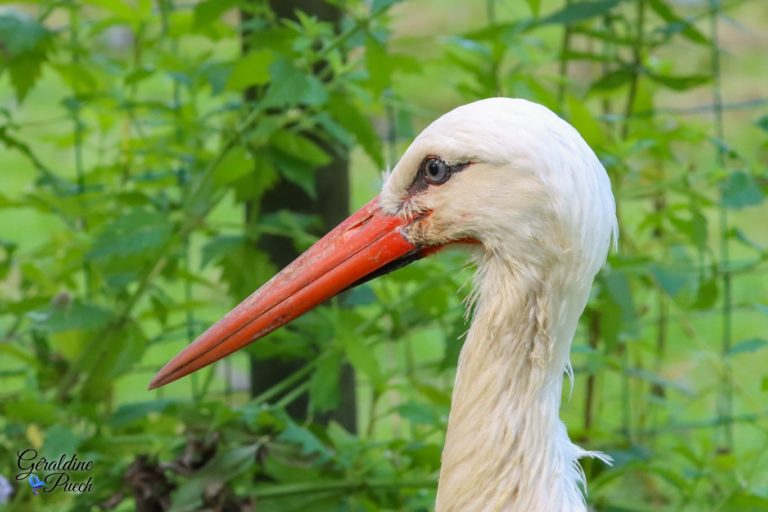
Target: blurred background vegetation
column 160, row 160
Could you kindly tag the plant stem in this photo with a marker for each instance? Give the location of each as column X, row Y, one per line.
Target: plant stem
column 497, row 52
column 74, row 30
column 293, row 394
column 563, row 66
column 490, row 11
column 589, row 399
column 657, row 391
column 372, row 413
column 725, row 400
column 608, row 52
column 287, row 382
column 637, row 62
column 626, row 397
column 391, row 113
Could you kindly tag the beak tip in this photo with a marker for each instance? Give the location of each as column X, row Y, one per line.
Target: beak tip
column 157, row 381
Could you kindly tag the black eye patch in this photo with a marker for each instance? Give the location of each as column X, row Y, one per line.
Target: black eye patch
column 433, row 170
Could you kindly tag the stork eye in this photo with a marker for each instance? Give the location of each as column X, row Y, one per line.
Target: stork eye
column 436, row 171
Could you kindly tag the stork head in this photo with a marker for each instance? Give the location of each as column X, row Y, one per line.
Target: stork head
column 505, row 174
column 511, row 175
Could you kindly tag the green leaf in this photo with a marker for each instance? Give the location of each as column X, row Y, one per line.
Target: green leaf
column 341, row 439
column 435, row 395
column 26, row 358
column 418, row 413
column 20, row 34
column 707, row 293
column 65, row 316
column 253, row 69
column 6, row 252
column 138, row 75
column 297, row 158
column 379, row 65
column 673, row 476
column 404, row 124
column 762, row 123
column 618, row 288
column 291, row 224
column 324, row 386
column 300, row 147
column 680, row 83
column 264, row 176
column 740, row 190
column 218, row 247
column 209, row 11
column 11, row 142
column 28, row 409
column 350, row 117
column 122, row 11
column 298, row 173
column 7, row 202
column 288, row 85
column 244, row 268
column 571, row 54
column 217, row 75
column 580, row 11
column 617, row 307
column 695, row 228
column 583, row 119
column 136, row 232
column 380, row 6
column 745, row 502
column 59, row 440
column 363, row 359
column 24, row 74
column 659, row 380
column 78, row 77
column 668, row 280
column 309, row 443
column 337, row 132
column 315, row 94
column 677, row 24
column 748, row 345
column 219, row 471
column 534, row 6
column 113, row 354
column 612, row 80
column 128, row 413
column 235, row 164
column 739, row 235
column 24, row 44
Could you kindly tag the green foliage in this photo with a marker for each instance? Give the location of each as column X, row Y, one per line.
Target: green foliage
column 25, row 44
column 139, row 140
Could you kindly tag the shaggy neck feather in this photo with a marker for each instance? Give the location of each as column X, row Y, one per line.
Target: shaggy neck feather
column 506, row 448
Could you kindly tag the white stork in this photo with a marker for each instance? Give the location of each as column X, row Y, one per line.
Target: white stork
column 522, row 188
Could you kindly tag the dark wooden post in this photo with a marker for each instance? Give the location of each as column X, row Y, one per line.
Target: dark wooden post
column 330, row 204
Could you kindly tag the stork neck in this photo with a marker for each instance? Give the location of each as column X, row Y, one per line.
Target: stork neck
column 506, row 448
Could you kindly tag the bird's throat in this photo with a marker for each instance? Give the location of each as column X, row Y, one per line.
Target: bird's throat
column 506, row 448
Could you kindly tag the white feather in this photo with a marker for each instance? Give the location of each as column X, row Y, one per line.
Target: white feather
column 538, row 200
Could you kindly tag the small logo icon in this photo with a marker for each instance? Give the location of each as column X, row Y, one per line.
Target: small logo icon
column 35, row 483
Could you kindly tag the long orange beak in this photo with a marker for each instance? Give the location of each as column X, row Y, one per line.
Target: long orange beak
column 366, row 245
